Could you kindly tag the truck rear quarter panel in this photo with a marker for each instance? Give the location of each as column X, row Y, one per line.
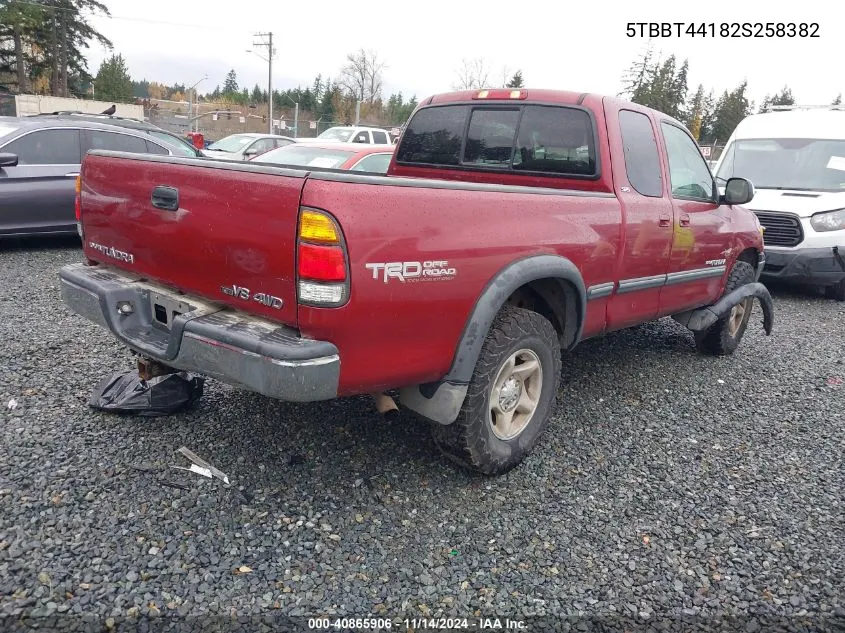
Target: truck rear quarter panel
column 412, row 327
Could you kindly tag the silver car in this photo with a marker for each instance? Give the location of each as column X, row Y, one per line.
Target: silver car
column 245, row 146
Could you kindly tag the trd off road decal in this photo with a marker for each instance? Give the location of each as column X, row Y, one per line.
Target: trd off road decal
column 436, row 270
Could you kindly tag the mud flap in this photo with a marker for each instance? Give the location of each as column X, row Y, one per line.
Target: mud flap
column 127, row 392
column 702, row 318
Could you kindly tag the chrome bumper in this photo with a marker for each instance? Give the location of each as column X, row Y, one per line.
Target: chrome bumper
column 208, row 339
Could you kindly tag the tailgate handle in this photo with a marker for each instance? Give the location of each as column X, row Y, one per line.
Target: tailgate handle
column 166, row 198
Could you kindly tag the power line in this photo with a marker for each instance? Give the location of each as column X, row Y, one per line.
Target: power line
column 126, row 18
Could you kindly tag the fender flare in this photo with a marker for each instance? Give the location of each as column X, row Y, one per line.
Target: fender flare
column 441, row 401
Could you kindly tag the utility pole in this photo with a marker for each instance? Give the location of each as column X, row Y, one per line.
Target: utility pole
column 270, row 53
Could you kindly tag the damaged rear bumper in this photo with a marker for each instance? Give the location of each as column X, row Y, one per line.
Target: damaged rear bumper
column 201, row 337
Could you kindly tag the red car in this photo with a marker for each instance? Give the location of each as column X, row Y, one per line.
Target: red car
column 354, row 156
column 511, row 226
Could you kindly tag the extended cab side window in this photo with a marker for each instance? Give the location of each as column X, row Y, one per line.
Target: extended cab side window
column 557, row 140
column 380, row 138
column 642, row 162
column 689, row 174
column 433, row 136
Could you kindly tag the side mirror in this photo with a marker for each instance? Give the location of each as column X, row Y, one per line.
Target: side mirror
column 738, row 191
column 8, row 160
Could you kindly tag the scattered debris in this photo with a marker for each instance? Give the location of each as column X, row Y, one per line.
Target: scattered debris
column 205, row 472
column 720, row 381
column 13, row 404
column 243, row 569
column 203, row 465
column 297, row 458
column 127, row 392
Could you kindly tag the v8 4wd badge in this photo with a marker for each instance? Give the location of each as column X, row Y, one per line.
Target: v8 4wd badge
column 240, row 292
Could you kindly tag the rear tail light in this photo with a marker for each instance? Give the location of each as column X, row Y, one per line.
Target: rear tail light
column 322, row 270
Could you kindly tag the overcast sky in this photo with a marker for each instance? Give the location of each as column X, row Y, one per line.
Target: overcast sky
column 578, row 46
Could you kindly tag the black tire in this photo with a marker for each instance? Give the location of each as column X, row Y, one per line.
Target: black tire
column 719, row 339
column 470, row 440
column 836, row 291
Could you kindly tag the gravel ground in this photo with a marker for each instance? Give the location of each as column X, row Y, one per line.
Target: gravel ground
column 668, row 484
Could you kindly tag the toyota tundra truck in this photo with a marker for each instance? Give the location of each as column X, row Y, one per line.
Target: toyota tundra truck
column 511, row 226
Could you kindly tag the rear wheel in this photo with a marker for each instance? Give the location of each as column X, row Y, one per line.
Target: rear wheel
column 836, row 291
column 723, row 337
column 510, row 395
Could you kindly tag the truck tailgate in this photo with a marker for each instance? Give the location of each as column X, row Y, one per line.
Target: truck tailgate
column 229, row 236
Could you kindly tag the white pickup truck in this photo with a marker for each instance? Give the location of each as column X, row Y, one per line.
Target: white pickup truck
column 351, row 134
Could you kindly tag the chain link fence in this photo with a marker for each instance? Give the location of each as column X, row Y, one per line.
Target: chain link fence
column 217, row 120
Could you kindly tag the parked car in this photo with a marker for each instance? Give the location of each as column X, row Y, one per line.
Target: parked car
column 494, row 241
column 178, row 145
column 796, row 159
column 245, row 146
column 371, row 158
column 41, row 159
column 351, row 134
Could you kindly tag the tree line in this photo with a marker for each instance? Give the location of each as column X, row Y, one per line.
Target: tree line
column 42, row 45
column 662, row 84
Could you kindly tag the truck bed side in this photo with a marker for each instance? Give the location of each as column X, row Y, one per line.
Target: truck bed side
column 472, row 231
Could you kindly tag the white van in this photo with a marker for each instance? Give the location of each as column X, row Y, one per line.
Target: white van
column 795, row 157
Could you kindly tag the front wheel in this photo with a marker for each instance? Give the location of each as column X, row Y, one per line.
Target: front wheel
column 510, row 395
column 723, row 337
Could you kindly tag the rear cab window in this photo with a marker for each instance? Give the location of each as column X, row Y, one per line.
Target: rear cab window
column 549, row 140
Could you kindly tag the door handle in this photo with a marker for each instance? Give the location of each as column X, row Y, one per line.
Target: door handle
column 684, row 221
column 166, row 198
column 665, row 220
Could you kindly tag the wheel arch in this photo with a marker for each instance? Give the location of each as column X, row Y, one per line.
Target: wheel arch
column 555, row 285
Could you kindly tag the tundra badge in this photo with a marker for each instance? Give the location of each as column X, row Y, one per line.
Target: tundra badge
column 240, row 292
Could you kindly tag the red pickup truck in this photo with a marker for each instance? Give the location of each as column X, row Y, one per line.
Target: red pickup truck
column 511, row 225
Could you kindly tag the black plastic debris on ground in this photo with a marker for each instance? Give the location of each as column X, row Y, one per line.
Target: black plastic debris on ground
column 126, row 392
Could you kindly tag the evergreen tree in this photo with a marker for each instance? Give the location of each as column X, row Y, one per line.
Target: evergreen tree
column 516, row 80
column 113, row 82
column 731, row 108
column 838, row 100
column 695, row 113
column 230, row 85
column 45, row 41
column 317, row 88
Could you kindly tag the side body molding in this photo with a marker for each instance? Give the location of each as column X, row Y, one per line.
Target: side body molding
column 441, row 401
